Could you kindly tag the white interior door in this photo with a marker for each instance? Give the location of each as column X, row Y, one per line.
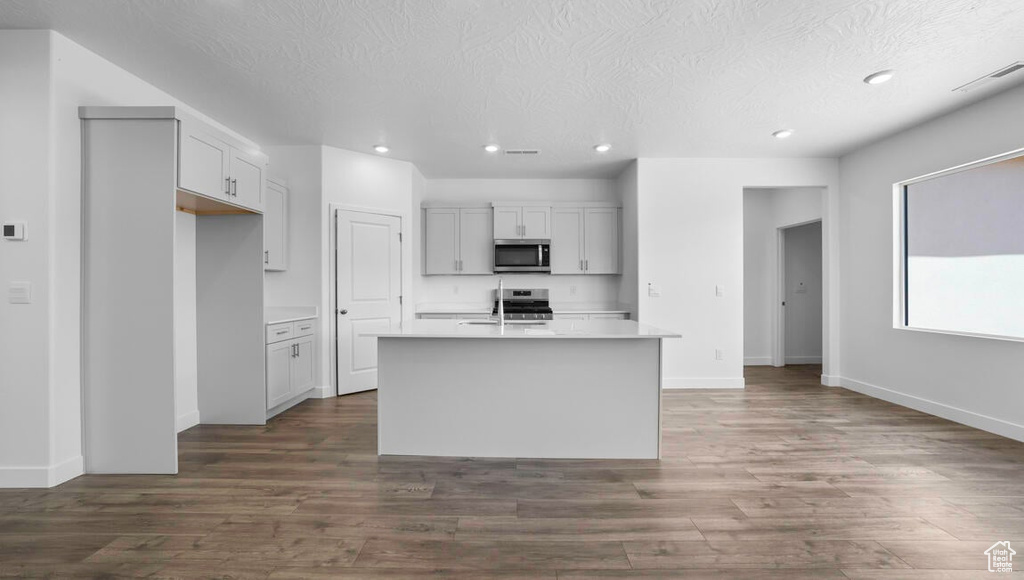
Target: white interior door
column 369, row 275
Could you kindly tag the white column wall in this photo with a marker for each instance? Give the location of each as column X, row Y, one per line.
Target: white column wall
column 25, row 175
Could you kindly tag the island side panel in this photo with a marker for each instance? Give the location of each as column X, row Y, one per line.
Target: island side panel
column 539, row 398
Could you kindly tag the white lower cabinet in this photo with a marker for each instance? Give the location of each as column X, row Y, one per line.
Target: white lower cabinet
column 279, row 364
column 290, row 360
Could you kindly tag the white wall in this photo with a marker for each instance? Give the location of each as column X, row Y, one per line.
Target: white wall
column 186, row 350
column 25, row 359
column 803, row 294
column 765, row 210
column 973, row 380
column 479, row 290
column 47, row 77
column 690, row 239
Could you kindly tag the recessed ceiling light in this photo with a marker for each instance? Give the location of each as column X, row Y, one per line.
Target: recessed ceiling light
column 492, row 148
column 381, row 148
column 782, row 133
column 879, row 77
column 602, row 148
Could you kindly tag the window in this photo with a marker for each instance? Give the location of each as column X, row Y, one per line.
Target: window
column 962, row 249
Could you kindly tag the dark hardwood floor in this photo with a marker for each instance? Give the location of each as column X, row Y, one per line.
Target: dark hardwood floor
column 784, row 480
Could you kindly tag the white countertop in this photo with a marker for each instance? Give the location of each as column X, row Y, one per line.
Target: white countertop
column 279, row 314
column 552, row 329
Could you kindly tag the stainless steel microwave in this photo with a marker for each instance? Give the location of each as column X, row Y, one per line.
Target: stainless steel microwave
column 522, row 256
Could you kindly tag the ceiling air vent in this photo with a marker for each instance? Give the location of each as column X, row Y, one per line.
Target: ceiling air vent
column 978, row 83
column 522, row 152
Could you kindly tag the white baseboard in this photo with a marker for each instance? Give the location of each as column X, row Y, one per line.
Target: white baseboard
column 15, row 477
column 757, row 361
column 324, row 392
column 803, row 360
column 832, row 380
column 969, row 418
column 693, row 383
column 187, row 420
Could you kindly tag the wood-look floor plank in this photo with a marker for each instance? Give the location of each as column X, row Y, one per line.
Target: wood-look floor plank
column 734, row 489
column 577, row 529
column 958, row 555
column 639, row 508
column 492, row 555
column 761, row 554
column 893, row 528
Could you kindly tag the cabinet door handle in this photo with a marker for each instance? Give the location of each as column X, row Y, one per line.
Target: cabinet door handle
column 266, row 256
column 460, row 265
column 586, row 265
column 227, row 185
column 234, row 187
column 581, row 265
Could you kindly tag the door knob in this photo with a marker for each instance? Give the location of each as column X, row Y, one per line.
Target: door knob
column 343, row 312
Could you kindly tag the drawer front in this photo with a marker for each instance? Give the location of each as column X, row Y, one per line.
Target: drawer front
column 303, row 328
column 279, row 332
column 438, row 316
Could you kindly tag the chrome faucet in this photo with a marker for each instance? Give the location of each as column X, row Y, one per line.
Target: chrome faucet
column 501, row 304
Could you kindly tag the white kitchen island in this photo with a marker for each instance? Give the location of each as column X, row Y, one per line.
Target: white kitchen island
column 564, row 389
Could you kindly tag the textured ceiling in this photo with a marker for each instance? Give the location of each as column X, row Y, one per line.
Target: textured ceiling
column 436, row 79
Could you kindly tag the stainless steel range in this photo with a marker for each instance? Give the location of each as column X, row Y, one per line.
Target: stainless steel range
column 524, row 304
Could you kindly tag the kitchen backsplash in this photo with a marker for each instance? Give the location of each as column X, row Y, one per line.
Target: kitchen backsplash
column 479, row 290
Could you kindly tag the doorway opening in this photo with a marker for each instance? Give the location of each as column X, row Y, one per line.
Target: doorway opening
column 800, row 287
column 784, row 285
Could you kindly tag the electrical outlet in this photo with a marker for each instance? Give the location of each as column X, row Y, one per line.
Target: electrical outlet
column 572, row 290
column 653, row 290
column 719, row 290
column 718, row 354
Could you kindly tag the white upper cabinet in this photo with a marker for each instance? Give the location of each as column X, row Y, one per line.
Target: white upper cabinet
column 536, row 222
column 441, row 227
column 476, row 241
column 208, row 165
column 248, row 174
column 601, row 245
column 585, row 240
column 203, row 163
column 567, row 240
column 275, row 227
column 516, row 222
column 508, row 223
column 458, row 241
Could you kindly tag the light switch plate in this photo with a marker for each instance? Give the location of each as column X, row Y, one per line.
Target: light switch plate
column 15, row 231
column 19, row 293
column 719, row 290
column 653, row 290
